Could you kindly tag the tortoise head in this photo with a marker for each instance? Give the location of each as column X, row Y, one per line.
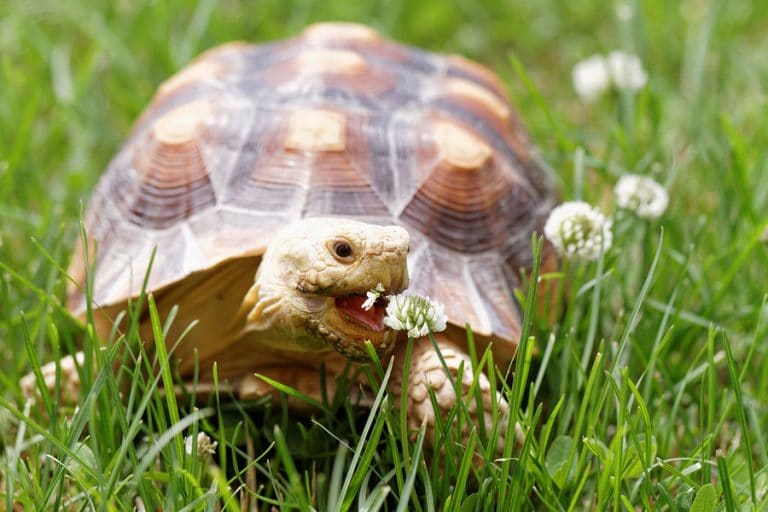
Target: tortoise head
column 313, row 280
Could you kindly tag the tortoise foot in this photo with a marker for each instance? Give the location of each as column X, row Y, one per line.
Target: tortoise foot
column 69, row 385
column 427, row 372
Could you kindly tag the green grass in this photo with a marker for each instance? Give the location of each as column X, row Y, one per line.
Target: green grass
column 648, row 393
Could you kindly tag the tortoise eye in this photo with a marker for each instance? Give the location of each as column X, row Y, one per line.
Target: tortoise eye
column 342, row 250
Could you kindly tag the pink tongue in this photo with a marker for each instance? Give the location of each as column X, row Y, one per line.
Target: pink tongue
column 352, row 306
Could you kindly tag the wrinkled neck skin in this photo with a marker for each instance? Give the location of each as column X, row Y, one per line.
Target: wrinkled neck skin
column 313, row 266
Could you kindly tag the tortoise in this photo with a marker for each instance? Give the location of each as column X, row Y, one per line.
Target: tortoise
column 275, row 184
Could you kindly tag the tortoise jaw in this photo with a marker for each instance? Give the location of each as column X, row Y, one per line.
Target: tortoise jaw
column 352, row 310
column 347, row 327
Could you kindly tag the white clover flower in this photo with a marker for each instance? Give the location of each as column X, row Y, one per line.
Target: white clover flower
column 373, row 295
column 578, row 230
column 415, row 314
column 764, row 236
column 591, row 77
column 644, row 196
column 624, row 11
column 204, row 444
column 626, row 70
column 595, row 75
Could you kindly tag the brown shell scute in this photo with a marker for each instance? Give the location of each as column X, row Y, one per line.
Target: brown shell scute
column 172, row 176
column 337, row 121
column 471, row 199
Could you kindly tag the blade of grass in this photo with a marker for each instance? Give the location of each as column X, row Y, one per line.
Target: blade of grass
column 167, row 437
column 288, row 390
column 297, row 488
column 562, row 140
column 454, row 500
column 736, row 387
column 362, row 451
column 410, row 479
column 725, row 481
column 634, row 315
column 165, row 371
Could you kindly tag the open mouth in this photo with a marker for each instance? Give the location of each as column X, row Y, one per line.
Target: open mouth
column 351, row 309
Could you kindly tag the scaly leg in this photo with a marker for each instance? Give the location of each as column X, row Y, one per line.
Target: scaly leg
column 427, row 372
column 69, row 385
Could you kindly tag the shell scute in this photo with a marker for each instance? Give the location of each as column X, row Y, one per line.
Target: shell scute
column 171, row 176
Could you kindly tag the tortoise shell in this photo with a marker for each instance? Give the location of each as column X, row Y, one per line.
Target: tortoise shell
column 335, row 122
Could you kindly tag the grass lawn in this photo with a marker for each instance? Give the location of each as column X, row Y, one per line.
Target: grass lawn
column 649, row 393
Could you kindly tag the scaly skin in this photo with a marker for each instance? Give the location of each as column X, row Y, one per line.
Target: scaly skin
column 426, row 372
column 292, row 302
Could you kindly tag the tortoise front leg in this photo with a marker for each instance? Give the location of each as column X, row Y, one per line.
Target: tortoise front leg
column 69, row 385
column 428, row 372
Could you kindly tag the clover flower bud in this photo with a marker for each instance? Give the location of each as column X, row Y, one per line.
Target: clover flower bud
column 579, row 231
column 641, row 195
column 205, row 446
column 626, row 70
column 594, row 75
column 591, row 77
